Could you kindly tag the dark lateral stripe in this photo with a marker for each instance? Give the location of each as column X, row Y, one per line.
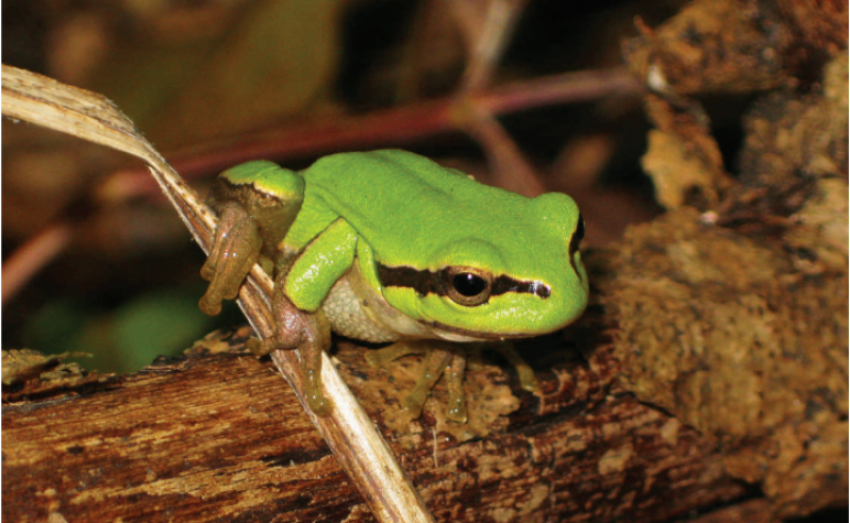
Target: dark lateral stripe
column 504, row 284
column 427, row 282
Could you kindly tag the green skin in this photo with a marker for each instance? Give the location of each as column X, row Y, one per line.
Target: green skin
column 390, row 246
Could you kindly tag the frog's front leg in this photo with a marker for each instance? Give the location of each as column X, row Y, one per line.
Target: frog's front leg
column 450, row 359
column 299, row 290
column 456, row 403
column 310, row 333
column 433, row 365
column 236, row 248
column 452, row 363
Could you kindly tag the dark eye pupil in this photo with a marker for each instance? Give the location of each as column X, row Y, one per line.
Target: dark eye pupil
column 469, row 284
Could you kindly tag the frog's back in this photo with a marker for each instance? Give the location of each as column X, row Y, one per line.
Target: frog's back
column 387, row 177
column 408, row 207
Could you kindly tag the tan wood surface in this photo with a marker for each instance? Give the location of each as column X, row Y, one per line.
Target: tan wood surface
column 220, row 437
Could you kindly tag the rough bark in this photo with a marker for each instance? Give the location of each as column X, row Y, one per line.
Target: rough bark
column 220, row 436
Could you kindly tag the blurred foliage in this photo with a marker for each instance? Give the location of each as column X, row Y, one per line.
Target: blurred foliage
column 125, row 338
column 254, row 63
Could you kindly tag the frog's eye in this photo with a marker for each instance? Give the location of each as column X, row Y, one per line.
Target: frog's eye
column 468, row 286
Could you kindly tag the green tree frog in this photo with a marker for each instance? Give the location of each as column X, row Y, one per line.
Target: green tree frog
column 389, row 246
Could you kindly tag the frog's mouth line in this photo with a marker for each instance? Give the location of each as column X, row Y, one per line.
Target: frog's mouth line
column 425, row 282
column 460, row 335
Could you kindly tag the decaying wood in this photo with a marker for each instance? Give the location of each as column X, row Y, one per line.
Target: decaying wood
column 732, row 308
column 218, row 436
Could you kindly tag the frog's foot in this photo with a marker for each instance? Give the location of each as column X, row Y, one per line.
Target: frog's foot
column 316, row 400
column 316, row 332
column 311, row 334
column 236, row 248
column 436, row 362
column 433, row 365
column 380, row 357
column 258, row 347
column 311, row 368
column 311, row 361
column 527, row 379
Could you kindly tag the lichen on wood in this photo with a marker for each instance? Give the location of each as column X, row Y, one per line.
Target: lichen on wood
column 732, row 308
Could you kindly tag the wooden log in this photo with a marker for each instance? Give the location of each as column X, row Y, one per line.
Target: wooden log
column 220, row 436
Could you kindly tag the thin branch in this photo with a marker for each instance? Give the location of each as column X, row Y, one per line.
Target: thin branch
column 487, row 26
column 398, row 125
column 28, row 260
column 509, row 166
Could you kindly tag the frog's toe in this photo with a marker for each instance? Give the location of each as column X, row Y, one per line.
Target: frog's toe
column 208, row 269
column 320, row 405
column 415, row 402
column 454, row 373
column 380, row 357
column 316, row 400
column 528, row 381
column 210, row 303
column 220, row 288
column 456, row 408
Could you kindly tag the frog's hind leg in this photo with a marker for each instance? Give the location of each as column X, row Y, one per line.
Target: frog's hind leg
column 236, row 248
column 451, row 361
column 380, row 357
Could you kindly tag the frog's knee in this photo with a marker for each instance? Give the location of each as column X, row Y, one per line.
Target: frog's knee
column 258, row 347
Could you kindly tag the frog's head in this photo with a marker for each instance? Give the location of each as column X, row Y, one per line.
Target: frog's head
column 511, row 278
